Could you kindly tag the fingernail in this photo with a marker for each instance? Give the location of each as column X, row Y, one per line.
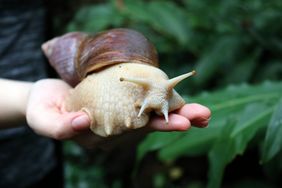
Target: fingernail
column 81, row 122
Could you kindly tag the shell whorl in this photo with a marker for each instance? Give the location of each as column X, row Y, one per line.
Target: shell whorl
column 76, row 54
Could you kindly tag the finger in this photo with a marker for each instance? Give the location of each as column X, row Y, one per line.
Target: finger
column 71, row 124
column 57, row 125
column 81, row 122
column 198, row 115
column 176, row 123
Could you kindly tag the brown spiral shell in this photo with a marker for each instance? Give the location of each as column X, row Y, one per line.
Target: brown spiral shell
column 75, row 55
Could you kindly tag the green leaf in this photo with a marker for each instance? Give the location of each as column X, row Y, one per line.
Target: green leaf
column 238, row 95
column 234, row 139
column 273, row 139
column 243, row 69
column 164, row 17
column 250, row 119
column 220, row 155
column 225, row 104
column 156, row 141
column 169, row 18
column 137, row 11
column 194, row 142
column 95, row 18
column 222, row 52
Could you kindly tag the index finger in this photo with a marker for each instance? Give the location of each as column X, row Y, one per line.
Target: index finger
column 198, row 114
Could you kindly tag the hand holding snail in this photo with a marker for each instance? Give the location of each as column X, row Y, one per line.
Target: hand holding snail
column 117, row 82
column 46, row 115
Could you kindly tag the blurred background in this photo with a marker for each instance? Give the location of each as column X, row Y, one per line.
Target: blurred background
column 236, row 48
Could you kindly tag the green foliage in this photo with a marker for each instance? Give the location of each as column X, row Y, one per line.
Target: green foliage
column 273, row 140
column 234, row 140
column 235, row 47
column 239, row 114
column 222, row 38
column 78, row 173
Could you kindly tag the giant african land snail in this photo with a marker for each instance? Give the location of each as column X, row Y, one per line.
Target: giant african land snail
column 118, row 82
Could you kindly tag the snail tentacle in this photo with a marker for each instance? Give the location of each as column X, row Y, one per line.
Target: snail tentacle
column 139, row 81
column 143, row 107
column 165, row 111
column 174, row 81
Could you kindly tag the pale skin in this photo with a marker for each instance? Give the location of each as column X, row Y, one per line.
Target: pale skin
column 41, row 105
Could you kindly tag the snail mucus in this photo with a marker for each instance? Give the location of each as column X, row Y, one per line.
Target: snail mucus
column 116, row 78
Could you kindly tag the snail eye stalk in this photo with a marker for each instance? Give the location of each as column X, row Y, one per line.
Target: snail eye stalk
column 139, row 81
column 174, row 81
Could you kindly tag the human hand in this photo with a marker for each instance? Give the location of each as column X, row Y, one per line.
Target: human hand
column 181, row 120
column 46, row 115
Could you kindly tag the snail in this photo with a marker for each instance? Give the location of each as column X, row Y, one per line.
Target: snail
column 116, row 78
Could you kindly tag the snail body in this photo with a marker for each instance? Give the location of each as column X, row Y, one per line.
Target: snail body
column 116, row 78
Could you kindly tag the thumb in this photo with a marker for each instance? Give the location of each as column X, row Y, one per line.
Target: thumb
column 80, row 122
column 68, row 125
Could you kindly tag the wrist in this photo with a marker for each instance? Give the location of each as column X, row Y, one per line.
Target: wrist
column 13, row 102
column 25, row 88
